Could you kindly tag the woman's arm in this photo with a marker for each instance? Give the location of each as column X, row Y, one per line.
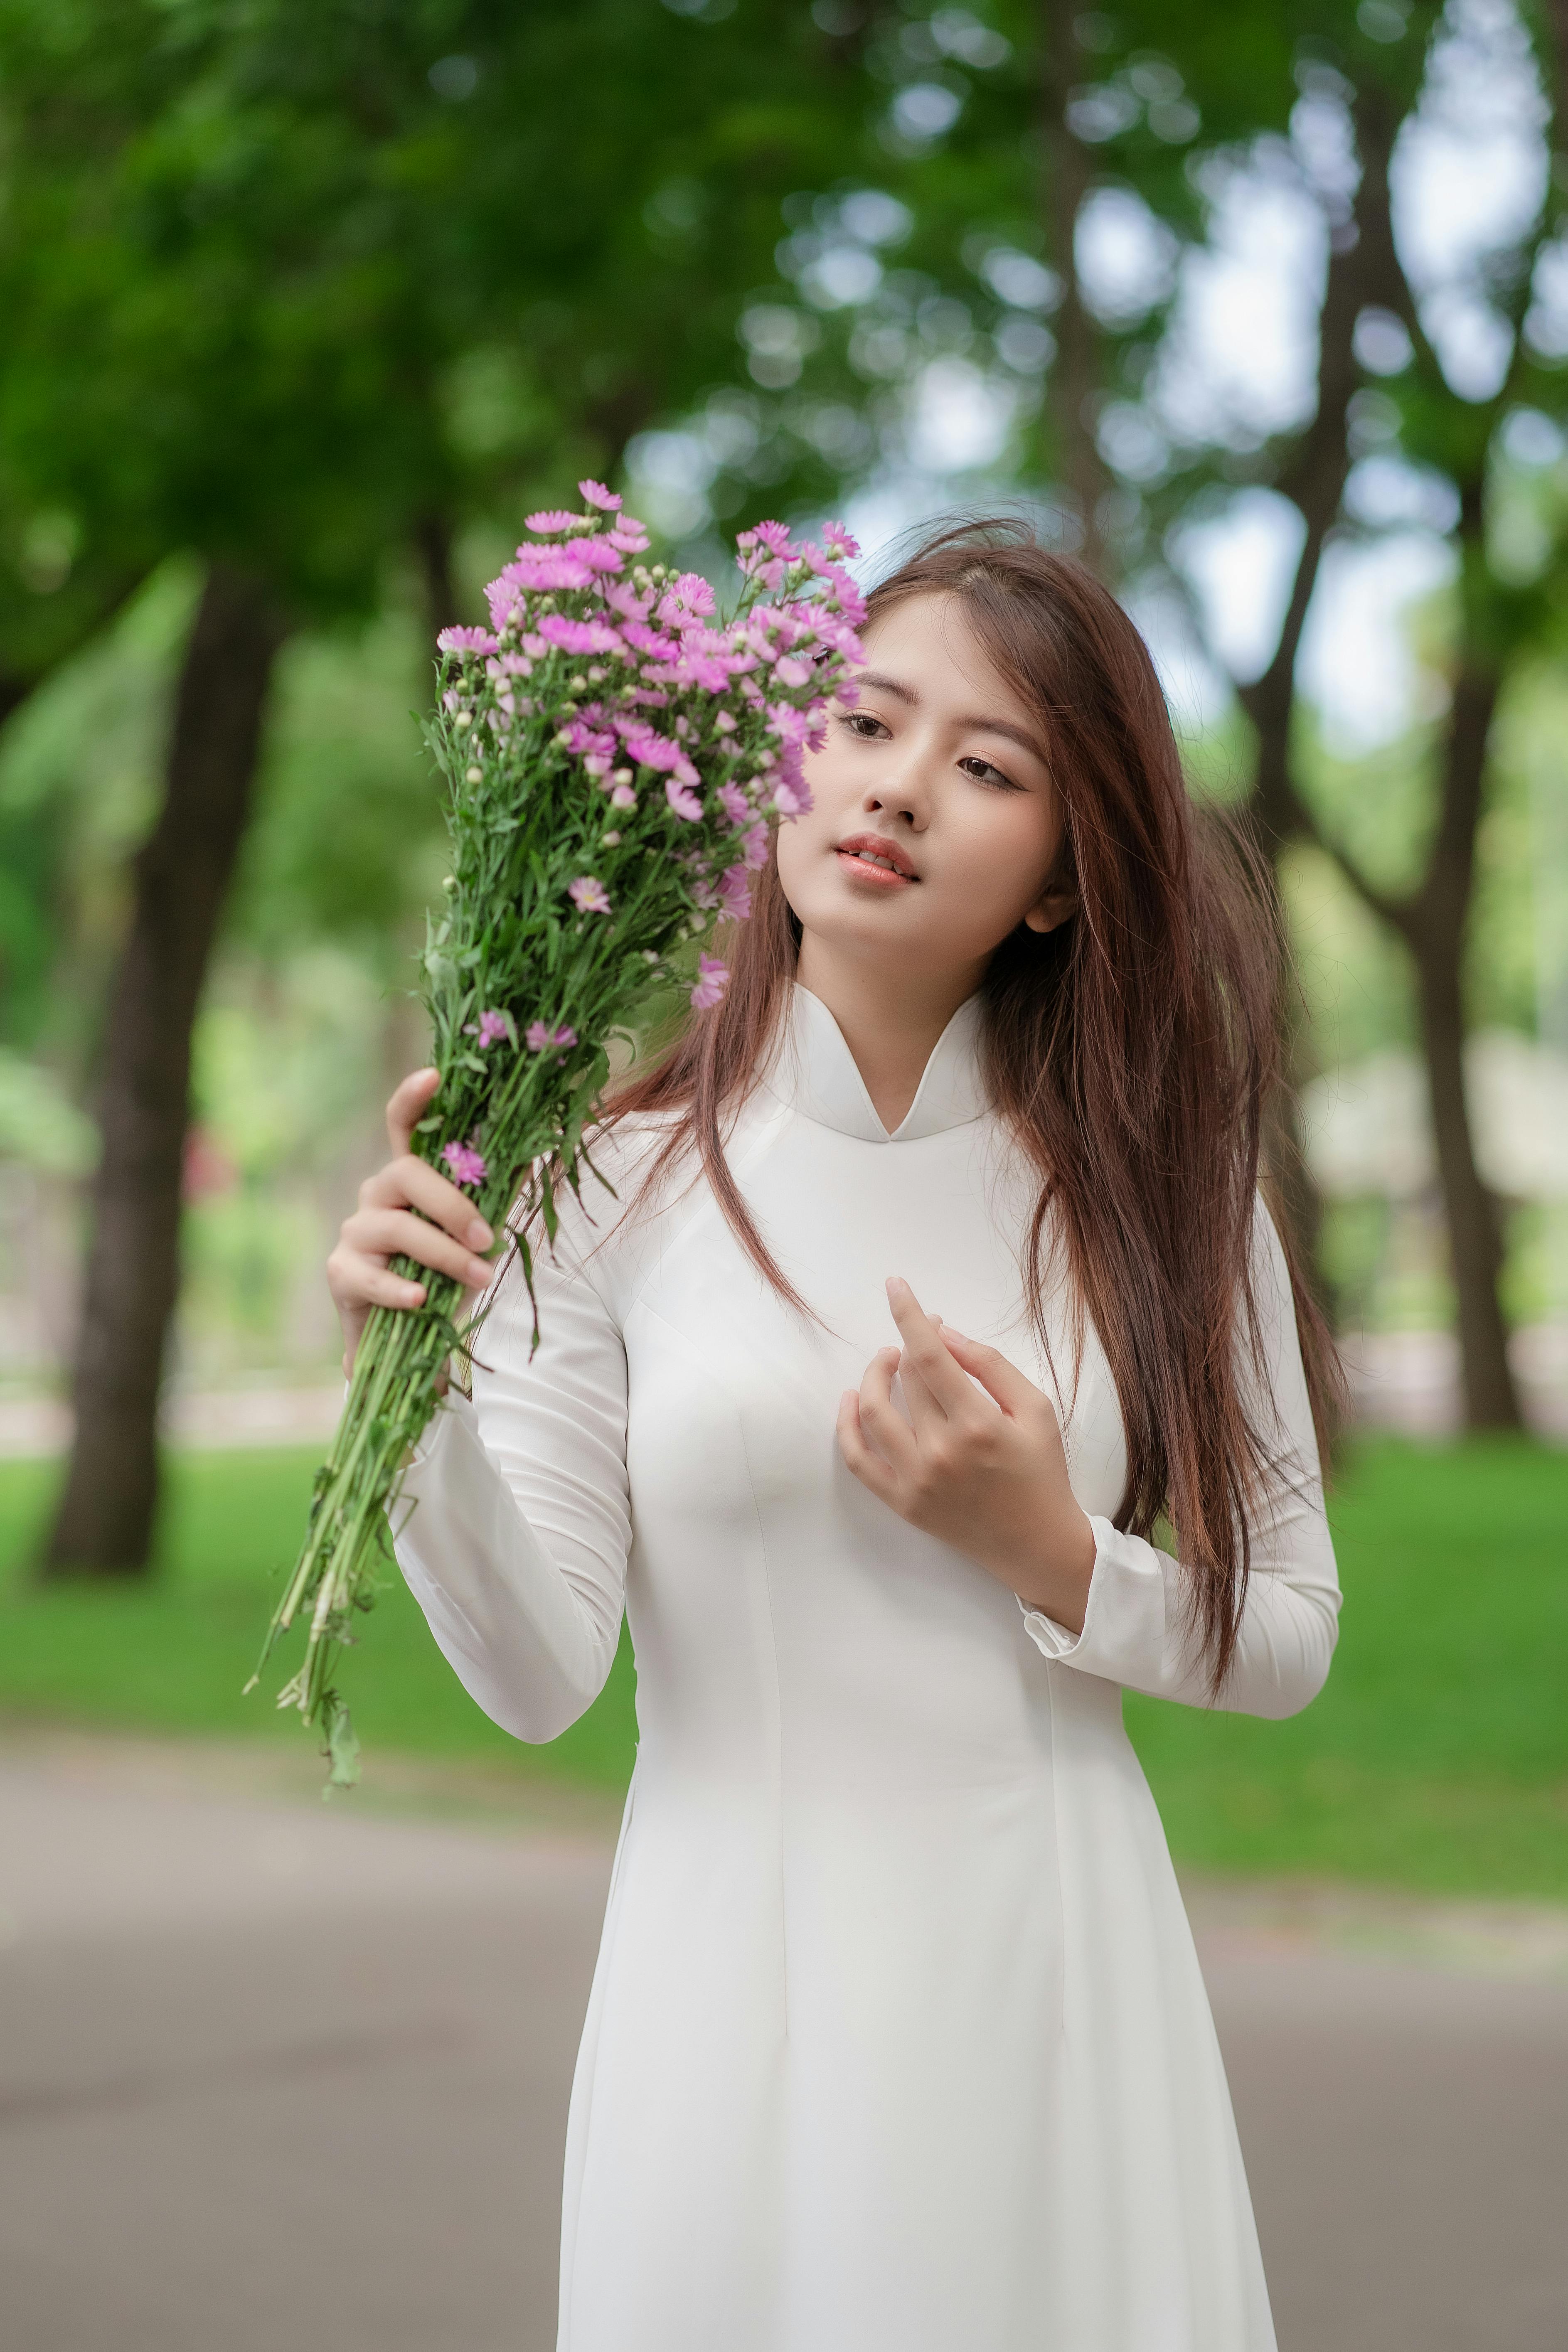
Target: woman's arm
column 1136, row 1629
column 979, row 1461
column 513, row 1522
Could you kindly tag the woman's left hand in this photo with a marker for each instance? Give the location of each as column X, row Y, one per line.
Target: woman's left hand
column 981, row 1468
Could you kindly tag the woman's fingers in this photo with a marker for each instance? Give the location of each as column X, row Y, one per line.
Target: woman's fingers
column 945, row 1385
column 1013, row 1389
column 879, row 1418
column 390, row 1232
column 413, row 1183
column 358, row 1283
column 867, row 1464
column 408, row 1106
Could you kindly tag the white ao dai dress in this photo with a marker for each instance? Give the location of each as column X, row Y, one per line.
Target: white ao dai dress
column 897, row 2040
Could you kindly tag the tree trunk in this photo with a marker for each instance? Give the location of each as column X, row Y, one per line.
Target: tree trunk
column 104, row 1525
column 1433, row 929
column 1075, row 376
column 1475, row 1237
column 432, row 544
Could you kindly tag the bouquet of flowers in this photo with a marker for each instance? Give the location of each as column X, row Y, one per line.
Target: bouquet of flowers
column 613, row 753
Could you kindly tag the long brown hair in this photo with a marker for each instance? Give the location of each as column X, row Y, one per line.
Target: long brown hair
column 1131, row 1052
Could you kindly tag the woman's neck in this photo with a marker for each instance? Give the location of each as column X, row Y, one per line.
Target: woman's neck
column 890, row 1018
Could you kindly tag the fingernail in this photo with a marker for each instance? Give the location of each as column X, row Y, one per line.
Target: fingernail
column 479, row 1233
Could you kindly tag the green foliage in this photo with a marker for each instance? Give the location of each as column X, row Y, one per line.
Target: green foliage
column 286, row 284
column 346, row 843
column 78, row 783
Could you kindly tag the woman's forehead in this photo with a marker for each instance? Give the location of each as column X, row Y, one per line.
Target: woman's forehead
column 928, row 643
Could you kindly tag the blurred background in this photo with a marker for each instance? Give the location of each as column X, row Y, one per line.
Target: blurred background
column 1263, row 315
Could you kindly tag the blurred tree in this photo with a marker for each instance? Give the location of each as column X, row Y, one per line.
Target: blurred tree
column 1056, row 169
column 297, row 288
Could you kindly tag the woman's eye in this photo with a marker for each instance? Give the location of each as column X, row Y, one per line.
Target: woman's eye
column 985, row 773
column 862, row 724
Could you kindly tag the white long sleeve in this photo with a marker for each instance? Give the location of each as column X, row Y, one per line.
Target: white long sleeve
column 1136, row 1628
column 514, row 1521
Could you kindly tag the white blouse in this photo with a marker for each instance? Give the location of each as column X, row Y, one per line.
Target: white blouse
column 897, row 2040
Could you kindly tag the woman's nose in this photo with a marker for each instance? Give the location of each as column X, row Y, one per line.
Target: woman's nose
column 903, row 799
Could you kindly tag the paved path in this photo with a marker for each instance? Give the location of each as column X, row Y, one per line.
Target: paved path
column 274, row 2075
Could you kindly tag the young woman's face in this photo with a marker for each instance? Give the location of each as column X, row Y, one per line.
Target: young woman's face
column 934, row 830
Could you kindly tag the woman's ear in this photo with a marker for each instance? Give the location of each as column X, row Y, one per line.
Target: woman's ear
column 1053, row 908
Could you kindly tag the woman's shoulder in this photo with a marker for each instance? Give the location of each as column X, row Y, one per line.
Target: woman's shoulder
column 626, row 1176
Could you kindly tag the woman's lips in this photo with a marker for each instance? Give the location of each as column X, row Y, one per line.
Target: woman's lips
column 878, row 877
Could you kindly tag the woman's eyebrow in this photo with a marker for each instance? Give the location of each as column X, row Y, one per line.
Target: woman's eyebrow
column 886, row 685
column 971, row 724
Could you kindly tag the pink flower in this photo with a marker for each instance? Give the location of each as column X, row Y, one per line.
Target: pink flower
column 625, row 600
column 646, row 641
column 467, row 1165
column 552, row 521
column 589, row 897
column 647, row 745
column 578, row 636
column 713, row 980
column 773, row 536
column 771, row 571
column 539, row 1038
column 623, row 797
column 736, row 893
column 594, row 494
column 465, row 641
column 704, row 670
column 837, row 541
column 790, row 725
column 691, row 594
column 488, row 1028
column 754, row 846
column 629, row 536
column 790, row 670
column 734, row 804
column 791, row 797
column 682, row 799
column 846, row 597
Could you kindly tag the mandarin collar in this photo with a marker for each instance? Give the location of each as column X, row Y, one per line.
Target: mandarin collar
column 813, row 1071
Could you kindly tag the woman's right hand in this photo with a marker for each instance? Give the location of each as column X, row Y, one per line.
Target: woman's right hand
column 446, row 1234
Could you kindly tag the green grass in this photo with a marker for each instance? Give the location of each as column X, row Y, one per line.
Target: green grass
column 171, row 1654
column 1437, row 1757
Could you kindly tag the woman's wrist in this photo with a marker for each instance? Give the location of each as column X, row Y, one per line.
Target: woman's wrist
column 1058, row 1583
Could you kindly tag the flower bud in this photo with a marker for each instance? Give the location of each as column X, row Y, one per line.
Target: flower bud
column 473, row 775
column 464, row 718
column 612, row 840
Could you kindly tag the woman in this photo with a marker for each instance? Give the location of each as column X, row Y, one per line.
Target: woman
column 932, row 1276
